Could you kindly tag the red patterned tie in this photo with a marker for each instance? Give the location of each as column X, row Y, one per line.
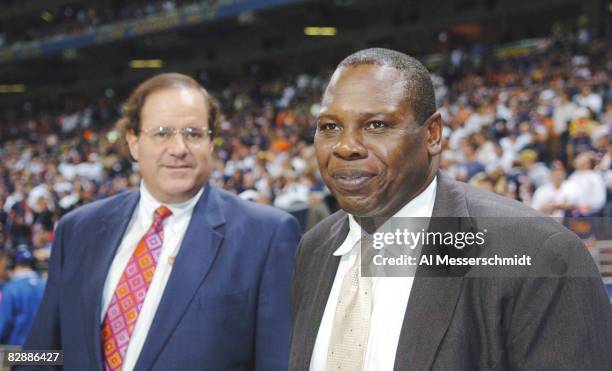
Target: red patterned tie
column 130, row 293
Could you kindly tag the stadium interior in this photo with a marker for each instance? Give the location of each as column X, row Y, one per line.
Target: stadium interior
column 523, row 87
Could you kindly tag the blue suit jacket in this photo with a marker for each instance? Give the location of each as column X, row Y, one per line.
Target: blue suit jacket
column 226, row 305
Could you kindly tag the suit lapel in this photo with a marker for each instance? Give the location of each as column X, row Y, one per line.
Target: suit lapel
column 195, row 258
column 324, row 266
column 434, row 292
column 103, row 245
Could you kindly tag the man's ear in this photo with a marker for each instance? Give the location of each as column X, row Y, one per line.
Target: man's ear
column 434, row 134
column 132, row 141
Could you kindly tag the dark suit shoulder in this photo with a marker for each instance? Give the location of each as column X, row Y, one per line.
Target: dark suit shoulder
column 322, row 230
column 521, row 227
column 99, row 208
column 485, row 204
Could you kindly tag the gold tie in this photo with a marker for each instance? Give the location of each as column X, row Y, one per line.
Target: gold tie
column 351, row 326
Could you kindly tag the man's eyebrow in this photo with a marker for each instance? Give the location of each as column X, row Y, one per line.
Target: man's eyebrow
column 362, row 116
column 372, row 114
column 328, row 116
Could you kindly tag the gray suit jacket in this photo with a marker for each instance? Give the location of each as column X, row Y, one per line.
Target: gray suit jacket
column 554, row 315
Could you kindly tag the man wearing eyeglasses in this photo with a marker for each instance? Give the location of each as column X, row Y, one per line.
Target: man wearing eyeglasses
column 177, row 275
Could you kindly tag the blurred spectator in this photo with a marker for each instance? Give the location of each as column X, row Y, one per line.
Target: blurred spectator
column 536, row 171
column 586, row 187
column 21, row 297
column 552, row 198
column 470, row 165
column 565, row 112
column 4, row 273
column 588, row 99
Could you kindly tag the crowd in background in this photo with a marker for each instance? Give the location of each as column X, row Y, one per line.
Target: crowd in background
column 535, row 128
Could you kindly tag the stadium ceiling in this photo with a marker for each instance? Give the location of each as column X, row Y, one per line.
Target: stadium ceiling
column 220, row 48
column 15, row 9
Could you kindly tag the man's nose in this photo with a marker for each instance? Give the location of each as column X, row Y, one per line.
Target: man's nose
column 177, row 145
column 350, row 145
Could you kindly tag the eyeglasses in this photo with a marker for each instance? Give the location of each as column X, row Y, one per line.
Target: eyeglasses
column 163, row 134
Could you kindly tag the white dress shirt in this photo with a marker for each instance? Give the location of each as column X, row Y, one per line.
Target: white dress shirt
column 389, row 300
column 549, row 194
column 587, row 190
column 174, row 229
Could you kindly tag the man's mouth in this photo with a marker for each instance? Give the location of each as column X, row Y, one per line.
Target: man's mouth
column 352, row 179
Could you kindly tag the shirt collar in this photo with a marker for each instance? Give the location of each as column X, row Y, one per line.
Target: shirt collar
column 26, row 274
column 148, row 203
column 420, row 206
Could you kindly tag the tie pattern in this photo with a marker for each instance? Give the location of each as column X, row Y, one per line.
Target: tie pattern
column 351, row 326
column 130, row 293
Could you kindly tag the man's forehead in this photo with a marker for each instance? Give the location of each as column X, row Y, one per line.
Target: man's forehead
column 175, row 100
column 374, row 84
column 366, row 71
column 186, row 95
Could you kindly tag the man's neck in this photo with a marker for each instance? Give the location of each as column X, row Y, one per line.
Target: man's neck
column 371, row 224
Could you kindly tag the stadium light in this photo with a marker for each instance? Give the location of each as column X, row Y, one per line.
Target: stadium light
column 46, row 16
column 320, row 31
column 146, row 63
column 12, row 88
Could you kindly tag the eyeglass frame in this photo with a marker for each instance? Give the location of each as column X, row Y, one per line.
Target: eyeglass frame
column 172, row 131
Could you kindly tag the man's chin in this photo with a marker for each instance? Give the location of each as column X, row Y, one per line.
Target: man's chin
column 180, row 192
column 359, row 206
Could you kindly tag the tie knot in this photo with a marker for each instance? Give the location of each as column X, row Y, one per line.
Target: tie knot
column 161, row 213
